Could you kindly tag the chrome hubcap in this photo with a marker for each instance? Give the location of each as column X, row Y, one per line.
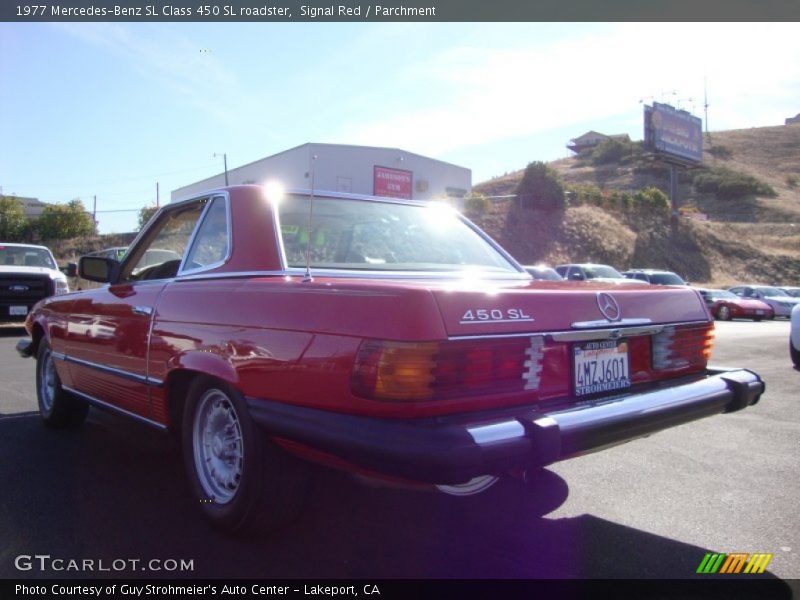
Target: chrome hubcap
column 471, row 487
column 47, row 382
column 218, row 447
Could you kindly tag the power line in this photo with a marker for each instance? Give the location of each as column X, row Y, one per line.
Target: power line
column 109, row 182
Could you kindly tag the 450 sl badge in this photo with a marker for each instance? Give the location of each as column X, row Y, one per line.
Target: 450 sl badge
column 495, row 315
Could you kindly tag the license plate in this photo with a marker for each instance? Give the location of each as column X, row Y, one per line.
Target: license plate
column 600, row 367
column 17, row 311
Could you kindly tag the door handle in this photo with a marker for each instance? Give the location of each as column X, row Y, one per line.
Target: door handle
column 145, row 311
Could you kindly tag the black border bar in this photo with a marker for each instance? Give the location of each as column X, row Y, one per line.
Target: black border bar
column 399, row 10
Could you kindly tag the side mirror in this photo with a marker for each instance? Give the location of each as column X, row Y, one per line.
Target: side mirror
column 71, row 270
column 97, row 268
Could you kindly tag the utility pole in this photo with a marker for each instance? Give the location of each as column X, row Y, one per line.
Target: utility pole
column 158, row 203
column 94, row 212
column 225, row 162
column 705, row 103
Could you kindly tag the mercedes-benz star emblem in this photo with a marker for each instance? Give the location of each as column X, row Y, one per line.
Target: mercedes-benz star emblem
column 608, row 306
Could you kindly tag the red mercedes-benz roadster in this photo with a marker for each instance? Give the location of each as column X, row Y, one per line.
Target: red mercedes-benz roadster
column 388, row 338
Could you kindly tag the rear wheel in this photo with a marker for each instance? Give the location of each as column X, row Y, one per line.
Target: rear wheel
column 795, row 354
column 724, row 313
column 57, row 407
column 241, row 480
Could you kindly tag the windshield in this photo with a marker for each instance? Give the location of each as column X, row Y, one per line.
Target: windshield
column 26, row 256
column 723, row 295
column 383, row 236
column 770, row 291
column 602, row 271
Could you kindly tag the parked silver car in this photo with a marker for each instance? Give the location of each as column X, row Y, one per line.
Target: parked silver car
column 775, row 297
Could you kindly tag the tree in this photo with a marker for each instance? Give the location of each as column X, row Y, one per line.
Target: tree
column 62, row 221
column 145, row 214
column 12, row 220
column 541, row 187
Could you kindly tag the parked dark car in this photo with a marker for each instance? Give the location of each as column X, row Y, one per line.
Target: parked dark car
column 543, row 272
column 591, row 271
column 655, row 276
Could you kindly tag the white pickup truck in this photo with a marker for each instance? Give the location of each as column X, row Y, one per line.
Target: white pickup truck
column 27, row 274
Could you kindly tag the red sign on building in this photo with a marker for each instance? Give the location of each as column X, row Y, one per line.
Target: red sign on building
column 392, row 183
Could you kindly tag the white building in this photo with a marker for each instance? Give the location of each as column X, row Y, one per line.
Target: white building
column 341, row 168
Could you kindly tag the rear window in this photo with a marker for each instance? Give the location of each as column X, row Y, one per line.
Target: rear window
column 369, row 235
column 666, row 279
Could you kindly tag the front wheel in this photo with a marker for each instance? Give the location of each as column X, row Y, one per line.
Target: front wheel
column 724, row 313
column 240, row 479
column 57, row 407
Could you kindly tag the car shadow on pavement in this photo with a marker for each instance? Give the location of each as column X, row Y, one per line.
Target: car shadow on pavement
column 116, row 490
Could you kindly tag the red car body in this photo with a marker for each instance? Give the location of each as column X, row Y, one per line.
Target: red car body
column 726, row 305
column 432, row 377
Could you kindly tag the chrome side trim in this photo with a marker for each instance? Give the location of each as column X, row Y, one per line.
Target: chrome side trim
column 151, row 381
column 605, row 334
column 497, row 432
column 231, row 275
column 578, row 336
column 606, row 323
column 366, row 274
column 101, row 404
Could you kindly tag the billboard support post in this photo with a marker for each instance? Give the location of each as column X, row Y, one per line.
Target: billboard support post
column 673, row 189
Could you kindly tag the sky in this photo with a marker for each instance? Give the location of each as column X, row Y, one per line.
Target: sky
column 111, row 110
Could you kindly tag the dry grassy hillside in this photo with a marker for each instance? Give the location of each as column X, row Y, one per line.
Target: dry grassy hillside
column 754, row 239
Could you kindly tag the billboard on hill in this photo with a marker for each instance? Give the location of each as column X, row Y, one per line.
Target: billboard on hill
column 673, row 133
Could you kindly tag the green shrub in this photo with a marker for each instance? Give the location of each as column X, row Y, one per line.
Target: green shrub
column 728, row 184
column 651, row 199
column 540, row 187
column 612, row 151
column 722, row 152
column 476, row 203
column 584, row 194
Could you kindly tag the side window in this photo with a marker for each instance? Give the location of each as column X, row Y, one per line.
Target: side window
column 159, row 254
column 561, row 271
column 211, row 244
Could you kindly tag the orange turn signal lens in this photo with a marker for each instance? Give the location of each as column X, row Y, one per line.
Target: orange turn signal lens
column 395, row 370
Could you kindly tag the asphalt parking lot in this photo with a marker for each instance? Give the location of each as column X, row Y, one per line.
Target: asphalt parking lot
column 648, row 509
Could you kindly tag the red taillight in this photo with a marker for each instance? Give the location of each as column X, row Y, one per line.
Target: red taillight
column 403, row 371
column 683, row 347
